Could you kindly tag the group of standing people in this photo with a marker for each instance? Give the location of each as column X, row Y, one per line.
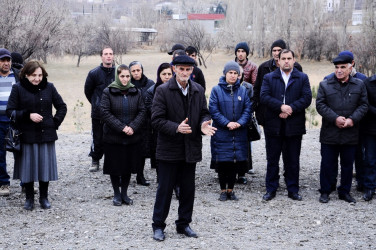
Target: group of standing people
column 134, row 118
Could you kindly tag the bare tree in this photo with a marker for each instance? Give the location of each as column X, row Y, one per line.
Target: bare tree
column 79, row 41
column 197, row 37
column 32, row 27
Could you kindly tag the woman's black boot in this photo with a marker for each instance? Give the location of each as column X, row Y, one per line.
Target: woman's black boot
column 29, row 190
column 124, row 189
column 43, row 195
column 115, row 181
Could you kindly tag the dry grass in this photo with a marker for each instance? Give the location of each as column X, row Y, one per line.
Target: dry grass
column 70, row 80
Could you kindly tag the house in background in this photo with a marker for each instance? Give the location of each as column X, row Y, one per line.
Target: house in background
column 210, row 22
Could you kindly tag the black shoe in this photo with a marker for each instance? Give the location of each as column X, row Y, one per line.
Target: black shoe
column 359, row 188
column 159, row 235
column 324, row 198
column 116, row 201
column 346, row 197
column 295, row 196
column 177, row 192
column 269, row 196
column 223, row 196
column 231, row 196
column 368, row 195
column 187, row 231
column 142, row 181
column 127, row 200
column 242, row 180
column 44, row 203
column 29, row 204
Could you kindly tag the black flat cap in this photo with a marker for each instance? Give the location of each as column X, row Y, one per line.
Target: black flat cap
column 342, row 59
column 183, row 60
column 175, row 47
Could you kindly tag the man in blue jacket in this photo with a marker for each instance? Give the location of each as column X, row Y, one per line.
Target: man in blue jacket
column 286, row 93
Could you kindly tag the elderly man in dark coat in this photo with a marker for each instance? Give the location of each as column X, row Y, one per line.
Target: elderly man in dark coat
column 286, row 93
column 180, row 115
column 342, row 102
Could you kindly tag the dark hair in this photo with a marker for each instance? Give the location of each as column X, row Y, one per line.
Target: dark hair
column 190, row 50
column 178, row 52
column 122, row 67
column 162, row 67
column 284, row 51
column 106, row 47
column 30, row 67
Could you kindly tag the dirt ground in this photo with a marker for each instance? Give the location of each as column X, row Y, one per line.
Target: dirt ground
column 83, row 217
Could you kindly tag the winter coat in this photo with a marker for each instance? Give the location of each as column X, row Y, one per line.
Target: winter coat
column 368, row 123
column 198, row 77
column 143, row 85
column 229, row 103
column 297, row 94
column 249, row 71
column 335, row 99
column 265, row 68
column 168, row 111
column 26, row 98
column 97, row 80
column 118, row 112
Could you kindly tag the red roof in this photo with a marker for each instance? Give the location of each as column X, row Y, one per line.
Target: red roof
column 206, row 16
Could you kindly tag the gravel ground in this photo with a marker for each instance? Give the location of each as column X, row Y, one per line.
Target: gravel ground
column 83, row 217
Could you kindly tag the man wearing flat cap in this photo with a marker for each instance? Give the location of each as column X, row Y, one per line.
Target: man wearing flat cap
column 8, row 77
column 180, row 115
column 359, row 162
column 342, row 102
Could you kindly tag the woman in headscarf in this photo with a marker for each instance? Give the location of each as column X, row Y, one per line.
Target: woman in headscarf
column 141, row 82
column 164, row 73
column 123, row 114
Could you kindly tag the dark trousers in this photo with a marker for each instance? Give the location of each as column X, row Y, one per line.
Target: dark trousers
column 329, row 161
column 369, row 181
column 96, row 151
column 359, row 162
column 291, row 146
column 168, row 174
column 4, row 177
column 227, row 174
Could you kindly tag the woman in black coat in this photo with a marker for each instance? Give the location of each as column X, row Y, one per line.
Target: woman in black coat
column 123, row 114
column 142, row 83
column 31, row 102
column 164, row 73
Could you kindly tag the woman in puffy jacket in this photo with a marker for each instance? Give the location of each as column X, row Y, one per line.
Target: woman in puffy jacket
column 230, row 109
column 123, row 114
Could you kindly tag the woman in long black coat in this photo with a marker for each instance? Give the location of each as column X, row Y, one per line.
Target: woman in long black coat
column 141, row 82
column 123, row 114
column 31, row 101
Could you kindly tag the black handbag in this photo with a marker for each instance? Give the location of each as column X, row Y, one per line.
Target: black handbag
column 12, row 138
column 253, row 131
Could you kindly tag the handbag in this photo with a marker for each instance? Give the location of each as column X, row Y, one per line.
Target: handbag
column 12, row 138
column 253, row 131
